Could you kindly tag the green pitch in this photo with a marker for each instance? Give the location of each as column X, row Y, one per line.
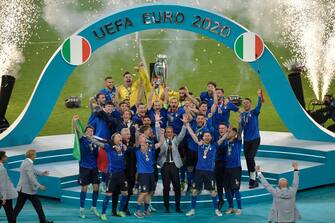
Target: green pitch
column 213, row 62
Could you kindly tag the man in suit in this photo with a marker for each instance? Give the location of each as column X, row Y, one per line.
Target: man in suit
column 28, row 186
column 170, row 161
column 7, row 190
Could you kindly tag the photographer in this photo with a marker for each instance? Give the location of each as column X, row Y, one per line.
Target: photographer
column 322, row 115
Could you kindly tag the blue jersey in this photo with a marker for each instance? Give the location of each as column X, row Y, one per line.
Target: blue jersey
column 116, row 162
column 174, row 119
column 204, row 96
column 233, row 153
column 88, row 153
column 145, row 160
column 250, row 123
column 163, row 115
column 101, row 127
column 109, row 94
column 222, row 114
column 206, row 157
column 199, row 132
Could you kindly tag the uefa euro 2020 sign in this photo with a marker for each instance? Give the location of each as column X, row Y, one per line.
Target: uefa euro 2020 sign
column 78, row 48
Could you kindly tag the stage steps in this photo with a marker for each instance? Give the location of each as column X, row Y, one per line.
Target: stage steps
column 275, row 155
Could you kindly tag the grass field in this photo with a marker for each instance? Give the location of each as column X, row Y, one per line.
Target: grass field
column 213, row 62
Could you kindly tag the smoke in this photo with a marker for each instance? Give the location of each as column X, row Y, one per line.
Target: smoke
column 180, row 55
column 244, row 76
column 70, row 15
column 17, row 18
column 305, row 27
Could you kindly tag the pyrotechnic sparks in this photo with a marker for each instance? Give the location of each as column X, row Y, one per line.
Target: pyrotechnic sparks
column 17, row 17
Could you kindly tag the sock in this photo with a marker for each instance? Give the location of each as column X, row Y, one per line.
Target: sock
column 123, row 202
column 146, row 207
column 105, row 204
column 82, row 199
column 194, row 202
column 138, row 207
column 238, row 198
column 95, row 196
column 189, row 178
column 229, row 198
column 215, row 202
column 253, row 175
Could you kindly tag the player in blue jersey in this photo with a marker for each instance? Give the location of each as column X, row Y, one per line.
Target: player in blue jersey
column 104, row 122
column 199, row 126
column 251, row 136
column 207, row 96
column 109, row 90
column 204, row 170
column 88, row 167
column 221, row 108
column 141, row 112
column 233, row 171
column 155, row 107
column 145, row 156
column 116, row 175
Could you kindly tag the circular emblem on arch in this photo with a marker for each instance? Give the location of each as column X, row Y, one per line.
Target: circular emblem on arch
column 76, row 50
column 249, row 47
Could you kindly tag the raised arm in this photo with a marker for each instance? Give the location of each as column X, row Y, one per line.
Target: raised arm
column 259, row 103
column 166, row 96
column 158, row 126
column 140, row 95
column 192, row 134
column 194, row 101
column 239, row 128
column 149, row 105
column 223, row 138
column 77, row 126
column 215, row 102
column 161, row 139
column 115, row 99
column 295, row 184
column 182, row 133
column 265, row 183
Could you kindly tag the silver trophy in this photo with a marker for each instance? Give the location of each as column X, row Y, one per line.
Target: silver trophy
column 160, row 70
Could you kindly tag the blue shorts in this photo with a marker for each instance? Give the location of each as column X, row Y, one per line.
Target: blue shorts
column 146, row 182
column 204, row 179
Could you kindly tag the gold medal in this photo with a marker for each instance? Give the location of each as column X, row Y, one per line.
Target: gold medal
column 146, row 156
column 205, row 154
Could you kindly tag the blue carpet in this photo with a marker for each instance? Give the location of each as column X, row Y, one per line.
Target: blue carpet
column 316, row 206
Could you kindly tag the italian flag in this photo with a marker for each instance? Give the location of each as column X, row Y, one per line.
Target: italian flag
column 249, row 47
column 76, row 50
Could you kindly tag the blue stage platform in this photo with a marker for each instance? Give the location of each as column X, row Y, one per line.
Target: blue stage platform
column 277, row 151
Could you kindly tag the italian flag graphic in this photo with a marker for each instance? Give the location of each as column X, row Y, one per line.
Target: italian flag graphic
column 76, row 50
column 249, row 47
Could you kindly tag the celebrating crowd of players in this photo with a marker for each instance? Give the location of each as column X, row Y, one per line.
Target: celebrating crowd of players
column 138, row 126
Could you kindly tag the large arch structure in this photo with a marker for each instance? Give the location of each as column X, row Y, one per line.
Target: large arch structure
column 160, row 16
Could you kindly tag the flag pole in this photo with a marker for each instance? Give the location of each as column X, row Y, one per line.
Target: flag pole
column 260, row 80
